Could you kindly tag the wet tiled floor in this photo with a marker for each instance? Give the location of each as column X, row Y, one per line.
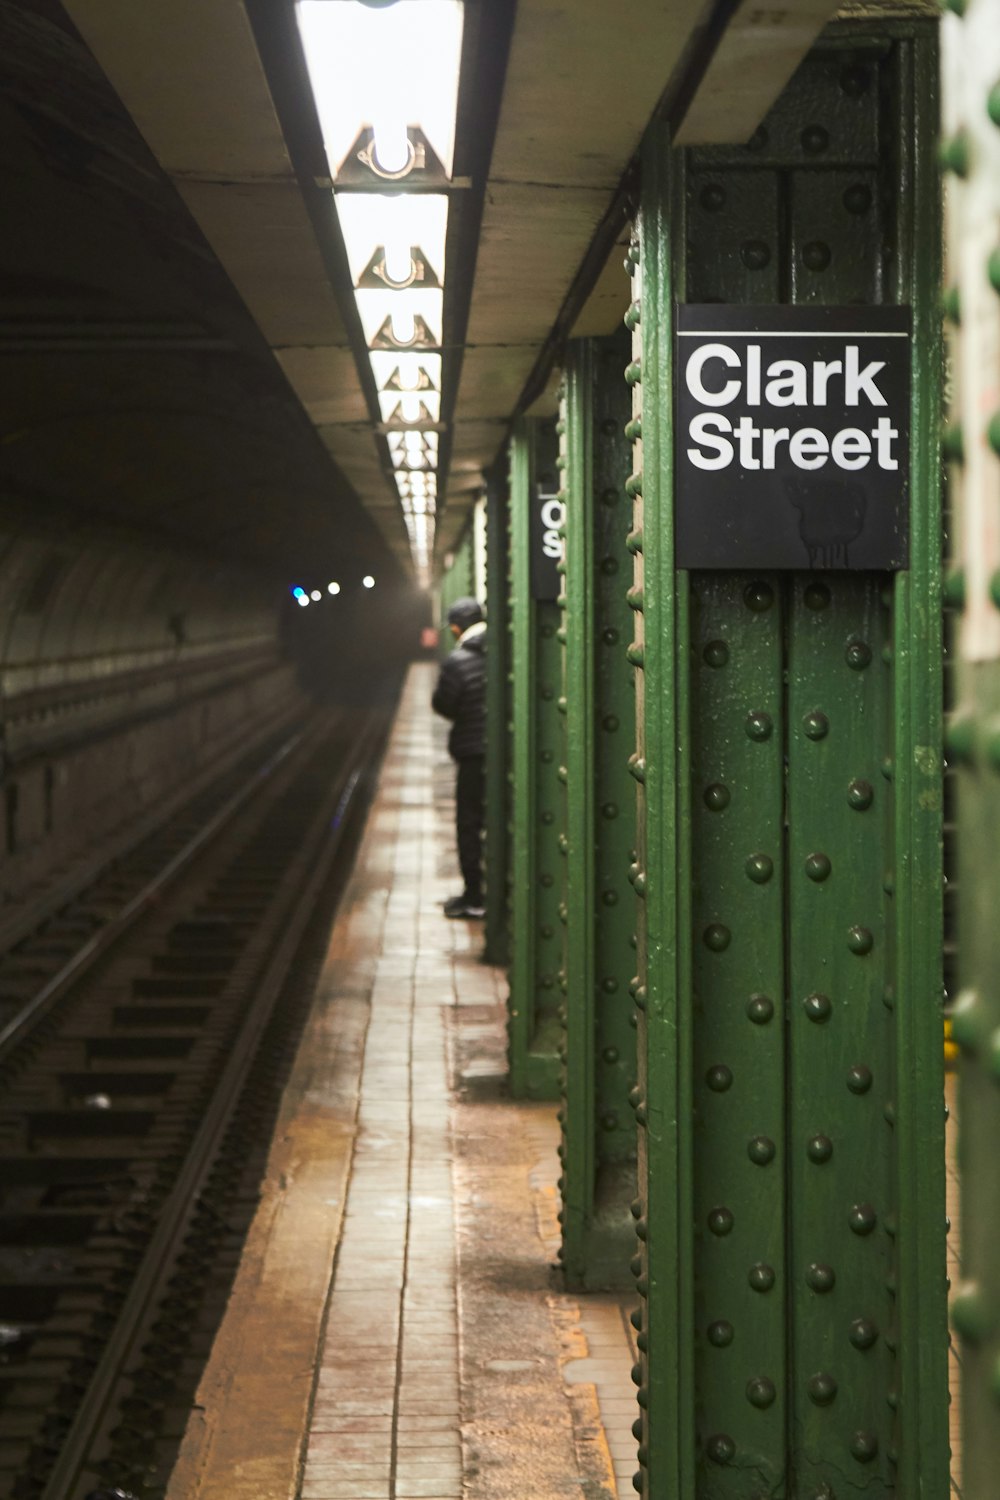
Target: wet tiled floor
column 404, row 1385
column 448, row 1361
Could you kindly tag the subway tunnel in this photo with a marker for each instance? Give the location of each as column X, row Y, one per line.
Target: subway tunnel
column 163, row 487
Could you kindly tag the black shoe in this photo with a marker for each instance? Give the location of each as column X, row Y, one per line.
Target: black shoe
column 464, row 906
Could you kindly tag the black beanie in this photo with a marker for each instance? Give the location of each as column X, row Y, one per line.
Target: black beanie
column 465, row 612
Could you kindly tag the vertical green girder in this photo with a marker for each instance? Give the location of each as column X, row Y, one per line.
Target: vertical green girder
column 498, row 717
column 598, row 1130
column 788, row 988
column 457, row 582
column 845, row 1184
column 737, row 989
column 536, row 744
column 663, row 1095
column 971, row 152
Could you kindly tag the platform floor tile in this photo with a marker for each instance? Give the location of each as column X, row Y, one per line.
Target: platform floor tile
column 442, row 1359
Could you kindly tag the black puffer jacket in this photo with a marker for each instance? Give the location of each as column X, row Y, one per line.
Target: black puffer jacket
column 460, row 695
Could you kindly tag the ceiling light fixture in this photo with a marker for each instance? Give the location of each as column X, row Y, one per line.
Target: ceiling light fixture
column 398, row 263
column 380, row 72
column 391, row 149
column 377, row 225
column 415, row 371
column 404, row 325
column 385, row 77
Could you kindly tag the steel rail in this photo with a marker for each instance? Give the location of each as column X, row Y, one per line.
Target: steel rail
column 168, row 1238
column 40, row 1003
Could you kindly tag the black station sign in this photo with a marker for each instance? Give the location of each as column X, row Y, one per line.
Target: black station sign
column 547, row 515
column 792, row 437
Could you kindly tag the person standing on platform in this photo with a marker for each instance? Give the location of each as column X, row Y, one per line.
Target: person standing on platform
column 460, row 696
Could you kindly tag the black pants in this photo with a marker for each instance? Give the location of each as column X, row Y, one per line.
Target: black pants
column 470, row 788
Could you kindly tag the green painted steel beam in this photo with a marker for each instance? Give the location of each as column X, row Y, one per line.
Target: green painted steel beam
column 842, row 1158
column 663, row 1097
column 598, row 1145
column 973, row 745
column 791, row 1255
column 737, row 1001
column 921, row 1437
column 535, row 798
column 498, row 813
column 457, row 582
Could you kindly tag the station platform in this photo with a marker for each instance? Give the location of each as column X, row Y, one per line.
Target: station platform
column 398, row 1329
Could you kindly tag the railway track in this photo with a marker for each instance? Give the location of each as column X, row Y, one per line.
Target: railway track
column 143, row 1040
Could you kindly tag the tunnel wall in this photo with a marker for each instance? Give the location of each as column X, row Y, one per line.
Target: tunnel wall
column 129, row 673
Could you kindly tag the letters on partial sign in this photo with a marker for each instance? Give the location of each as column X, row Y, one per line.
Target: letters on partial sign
column 717, row 374
column 553, row 515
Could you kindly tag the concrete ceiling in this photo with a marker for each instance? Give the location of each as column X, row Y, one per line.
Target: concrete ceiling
column 139, row 396
column 208, row 87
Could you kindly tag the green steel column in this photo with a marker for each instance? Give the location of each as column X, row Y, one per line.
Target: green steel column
column 497, row 853
column 535, row 747
column 737, row 998
column 841, row 1151
column 789, row 977
column 598, row 1145
column 865, row 880
column 457, row 582
column 663, row 1096
column 971, row 152
column 921, row 1426
column 447, row 596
